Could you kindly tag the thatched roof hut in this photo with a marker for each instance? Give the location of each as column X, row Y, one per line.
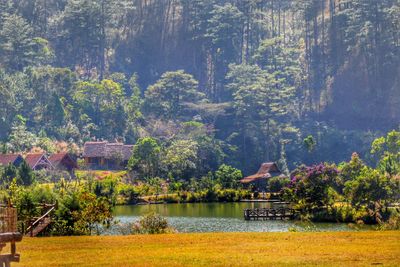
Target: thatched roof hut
column 106, row 155
column 267, row 170
column 259, row 179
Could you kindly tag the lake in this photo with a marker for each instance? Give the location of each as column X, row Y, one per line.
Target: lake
column 213, row 217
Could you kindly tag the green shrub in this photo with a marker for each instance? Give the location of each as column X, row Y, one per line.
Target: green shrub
column 393, row 223
column 194, row 197
column 342, row 213
column 211, row 195
column 228, row 195
column 170, row 199
column 152, row 223
column 245, row 194
column 127, row 194
column 256, row 195
column 275, row 184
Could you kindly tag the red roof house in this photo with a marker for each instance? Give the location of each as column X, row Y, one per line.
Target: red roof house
column 15, row 159
column 63, row 161
column 38, row 161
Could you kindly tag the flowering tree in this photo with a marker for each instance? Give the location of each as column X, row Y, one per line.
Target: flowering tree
column 313, row 187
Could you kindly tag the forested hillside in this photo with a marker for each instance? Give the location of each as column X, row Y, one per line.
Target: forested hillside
column 210, row 81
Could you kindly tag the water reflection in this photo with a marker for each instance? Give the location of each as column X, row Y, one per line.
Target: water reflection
column 205, row 210
column 213, row 217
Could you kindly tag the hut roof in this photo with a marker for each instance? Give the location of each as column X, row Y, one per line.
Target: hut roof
column 113, row 149
column 267, row 170
column 62, row 158
column 107, row 150
column 5, row 159
column 94, row 149
column 127, row 151
column 34, row 159
column 57, row 157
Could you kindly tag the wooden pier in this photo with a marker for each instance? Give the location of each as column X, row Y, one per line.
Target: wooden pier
column 269, row 214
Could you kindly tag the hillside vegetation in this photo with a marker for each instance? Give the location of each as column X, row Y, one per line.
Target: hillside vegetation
column 221, row 81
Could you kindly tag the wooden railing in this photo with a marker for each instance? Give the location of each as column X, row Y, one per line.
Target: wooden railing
column 44, row 219
column 269, row 214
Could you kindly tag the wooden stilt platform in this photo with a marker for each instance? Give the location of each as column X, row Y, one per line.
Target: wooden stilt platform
column 9, row 234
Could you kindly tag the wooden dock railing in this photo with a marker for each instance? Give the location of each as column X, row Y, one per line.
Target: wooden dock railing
column 269, row 214
column 40, row 223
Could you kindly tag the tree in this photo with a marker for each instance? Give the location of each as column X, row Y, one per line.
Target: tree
column 8, row 173
column 387, row 150
column 79, row 41
column 224, row 31
column 262, row 107
column 314, row 187
column 156, row 183
column 167, row 97
column 145, row 158
column 100, row 104
column 309, row 143
column 15, row 99
column 106, row 188
column 53, row 91
column 25, row 174
column 181, row 158
column 210, row 152
column 133, row 109
column 91, row 213
column 16, row 42
column 20, row 138
column 368, row 187
column 228, row 176
column 351, row 170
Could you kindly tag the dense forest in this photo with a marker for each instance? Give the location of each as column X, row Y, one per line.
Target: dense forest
column 204, row 81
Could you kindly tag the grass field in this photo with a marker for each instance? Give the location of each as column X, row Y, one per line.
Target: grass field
column 211, row 249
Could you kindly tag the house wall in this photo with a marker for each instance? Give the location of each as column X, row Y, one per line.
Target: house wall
column 103, row 163
column 96, row 162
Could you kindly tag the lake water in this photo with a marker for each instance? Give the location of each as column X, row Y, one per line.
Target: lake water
column 213, row 217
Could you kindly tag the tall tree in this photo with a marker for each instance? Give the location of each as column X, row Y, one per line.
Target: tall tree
column 167, row 97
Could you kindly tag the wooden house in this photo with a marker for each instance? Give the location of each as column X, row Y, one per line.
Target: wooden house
column 63, row 161
column 259, row 180
column 105, row 155
column 15, row 159
column 38, row 161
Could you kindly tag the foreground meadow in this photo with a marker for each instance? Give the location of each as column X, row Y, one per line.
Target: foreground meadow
column 215, row 249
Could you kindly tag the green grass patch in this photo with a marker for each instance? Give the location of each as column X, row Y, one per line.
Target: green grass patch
column 101, row 174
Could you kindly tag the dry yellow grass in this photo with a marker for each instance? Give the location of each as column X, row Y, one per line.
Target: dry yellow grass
column 216, row 249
